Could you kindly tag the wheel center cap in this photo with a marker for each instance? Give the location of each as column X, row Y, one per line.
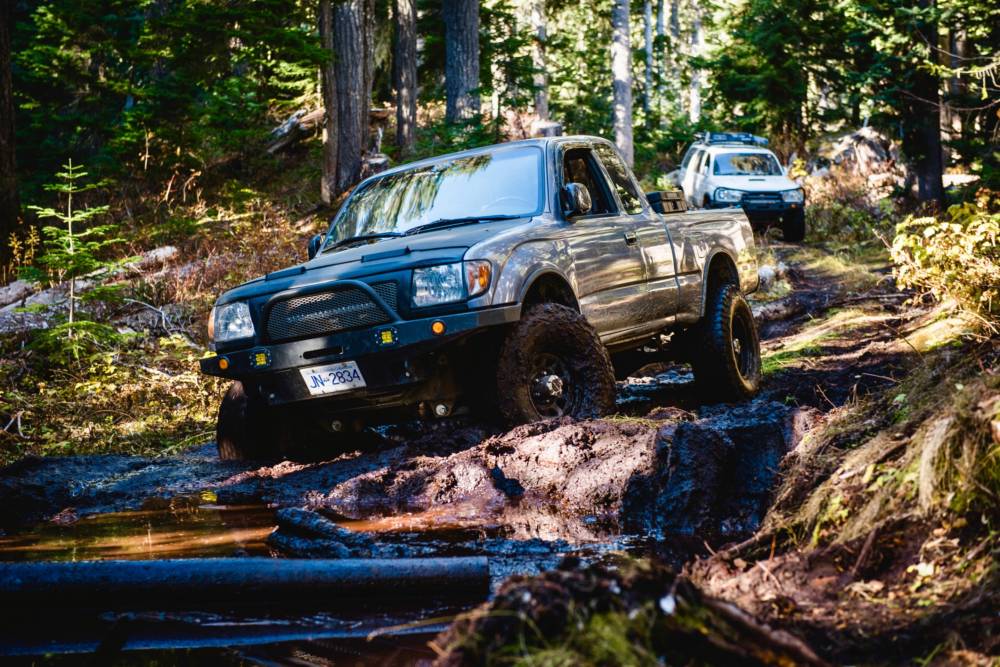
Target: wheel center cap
column 737, row 346
column 550, row 386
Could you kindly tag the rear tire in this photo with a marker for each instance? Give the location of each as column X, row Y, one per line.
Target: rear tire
column 793, row 226
column 724, row 347
column 553, row 364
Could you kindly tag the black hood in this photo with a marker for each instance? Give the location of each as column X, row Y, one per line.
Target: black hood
column 383, row 256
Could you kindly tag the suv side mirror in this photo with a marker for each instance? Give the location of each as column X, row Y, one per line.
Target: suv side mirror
column 576, row 199
column 314, row 244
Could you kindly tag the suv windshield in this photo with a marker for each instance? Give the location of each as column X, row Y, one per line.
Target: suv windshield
column 746, row 164
column 503, row 183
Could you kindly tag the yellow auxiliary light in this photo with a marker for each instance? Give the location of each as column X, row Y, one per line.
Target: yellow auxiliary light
column 437, row 327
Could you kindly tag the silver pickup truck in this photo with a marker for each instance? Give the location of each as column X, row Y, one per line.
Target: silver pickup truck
column 514, row 279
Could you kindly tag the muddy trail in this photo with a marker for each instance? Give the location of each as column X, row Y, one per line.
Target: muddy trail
column 666, row 476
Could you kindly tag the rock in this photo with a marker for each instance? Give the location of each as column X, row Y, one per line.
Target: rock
column 15, row 292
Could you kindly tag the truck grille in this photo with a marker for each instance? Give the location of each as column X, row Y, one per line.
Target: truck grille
column 329, row 312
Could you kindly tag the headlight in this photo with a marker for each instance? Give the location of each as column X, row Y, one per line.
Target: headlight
column 793, row 196
column 448, row 283
column 728, row 196
column 230, row 322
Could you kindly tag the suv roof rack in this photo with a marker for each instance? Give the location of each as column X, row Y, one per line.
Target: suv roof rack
column 730, row 138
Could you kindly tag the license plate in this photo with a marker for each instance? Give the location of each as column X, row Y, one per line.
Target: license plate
column 332, row 378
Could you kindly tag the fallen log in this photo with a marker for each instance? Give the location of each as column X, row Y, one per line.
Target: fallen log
column 191, row 583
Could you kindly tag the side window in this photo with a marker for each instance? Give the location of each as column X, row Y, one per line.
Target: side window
column 687, row 158
column 703, row 166
column 579, row 167
column 629, row 195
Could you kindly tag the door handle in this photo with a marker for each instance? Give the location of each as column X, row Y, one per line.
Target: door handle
column 631, row 238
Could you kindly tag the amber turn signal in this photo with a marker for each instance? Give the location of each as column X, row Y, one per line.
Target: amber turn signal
column 437, row 327
column 223, row 363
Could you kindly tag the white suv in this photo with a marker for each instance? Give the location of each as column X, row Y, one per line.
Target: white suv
column 724, row 169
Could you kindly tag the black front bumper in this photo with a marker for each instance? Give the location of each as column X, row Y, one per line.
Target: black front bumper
column 396, row 374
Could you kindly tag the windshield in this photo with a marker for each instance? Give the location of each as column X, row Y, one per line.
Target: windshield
column 505, row 182
column 746, row 164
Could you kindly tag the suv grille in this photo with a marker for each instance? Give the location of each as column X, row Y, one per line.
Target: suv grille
column 761, row 197
column 329, row 312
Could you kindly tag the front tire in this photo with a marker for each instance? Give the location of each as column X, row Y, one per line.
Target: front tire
column 793, row 226
column 247, row 429
column 241, row 431
column 725, row 347
column 553, row 364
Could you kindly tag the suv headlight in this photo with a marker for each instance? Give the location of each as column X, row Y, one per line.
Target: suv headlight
column 230, row 322
column 448, row 283
column 728, row 196
column 795, row 196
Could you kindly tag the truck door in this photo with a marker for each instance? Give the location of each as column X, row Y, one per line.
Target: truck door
column 659, row 300
column 604, row 245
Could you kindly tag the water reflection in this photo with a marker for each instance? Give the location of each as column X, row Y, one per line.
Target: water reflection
column 208, row 530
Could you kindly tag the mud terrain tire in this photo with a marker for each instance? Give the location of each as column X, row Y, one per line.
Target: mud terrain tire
column 553, row 341
column 724, row 347
column 793, row 226
column 243, row 431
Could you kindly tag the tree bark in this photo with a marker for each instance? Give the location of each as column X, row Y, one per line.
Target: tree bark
column 675, row 48
column 922, row 124
column 10, row 206
column 694, row 92
column 621, row 70
column 541, row 78
column 328, row 86
column 647, row 25
column 405, row 70
column 461, row 36
column 353, row 85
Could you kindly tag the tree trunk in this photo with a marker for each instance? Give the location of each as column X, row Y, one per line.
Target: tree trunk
column 661, row 65
column 621, row 70
column 328, row 81
column 405, row 70
column 922, row 125
column 541, row 78
column 461, row 37
column 694, row 93
column 10, row 206
column 353, row 87
column 647, row 25
column 675, row 49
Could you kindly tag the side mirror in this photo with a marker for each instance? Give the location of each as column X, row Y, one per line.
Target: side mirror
column 314, row 245
column 576, row 199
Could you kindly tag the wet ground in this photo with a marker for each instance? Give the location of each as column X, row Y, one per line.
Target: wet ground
column 668, row 476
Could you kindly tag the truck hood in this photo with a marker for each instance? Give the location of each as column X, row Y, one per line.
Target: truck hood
column 755, row 183
column 369, row 259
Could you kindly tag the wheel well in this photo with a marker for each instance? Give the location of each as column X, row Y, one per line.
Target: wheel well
column 550, row 288
column 721, row 270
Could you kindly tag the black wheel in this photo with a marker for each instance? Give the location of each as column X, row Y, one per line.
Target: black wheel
column 793, row 226
column 553, row 364
column 241, row 432
column 724, row 347
column 248, row 430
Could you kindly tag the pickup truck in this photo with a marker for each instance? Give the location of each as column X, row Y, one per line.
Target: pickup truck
column 513, row 279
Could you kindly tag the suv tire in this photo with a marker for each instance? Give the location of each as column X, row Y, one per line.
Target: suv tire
column 724, row 348
column 553, row 364
column 242, row 431
column 793, row 226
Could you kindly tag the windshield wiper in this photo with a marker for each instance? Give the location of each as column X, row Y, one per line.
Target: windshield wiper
column 361, row 238
column 444, row 223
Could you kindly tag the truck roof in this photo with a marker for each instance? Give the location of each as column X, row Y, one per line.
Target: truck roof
column 541, row 142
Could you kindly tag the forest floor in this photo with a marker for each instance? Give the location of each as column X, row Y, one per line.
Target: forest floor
column 802, row 507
